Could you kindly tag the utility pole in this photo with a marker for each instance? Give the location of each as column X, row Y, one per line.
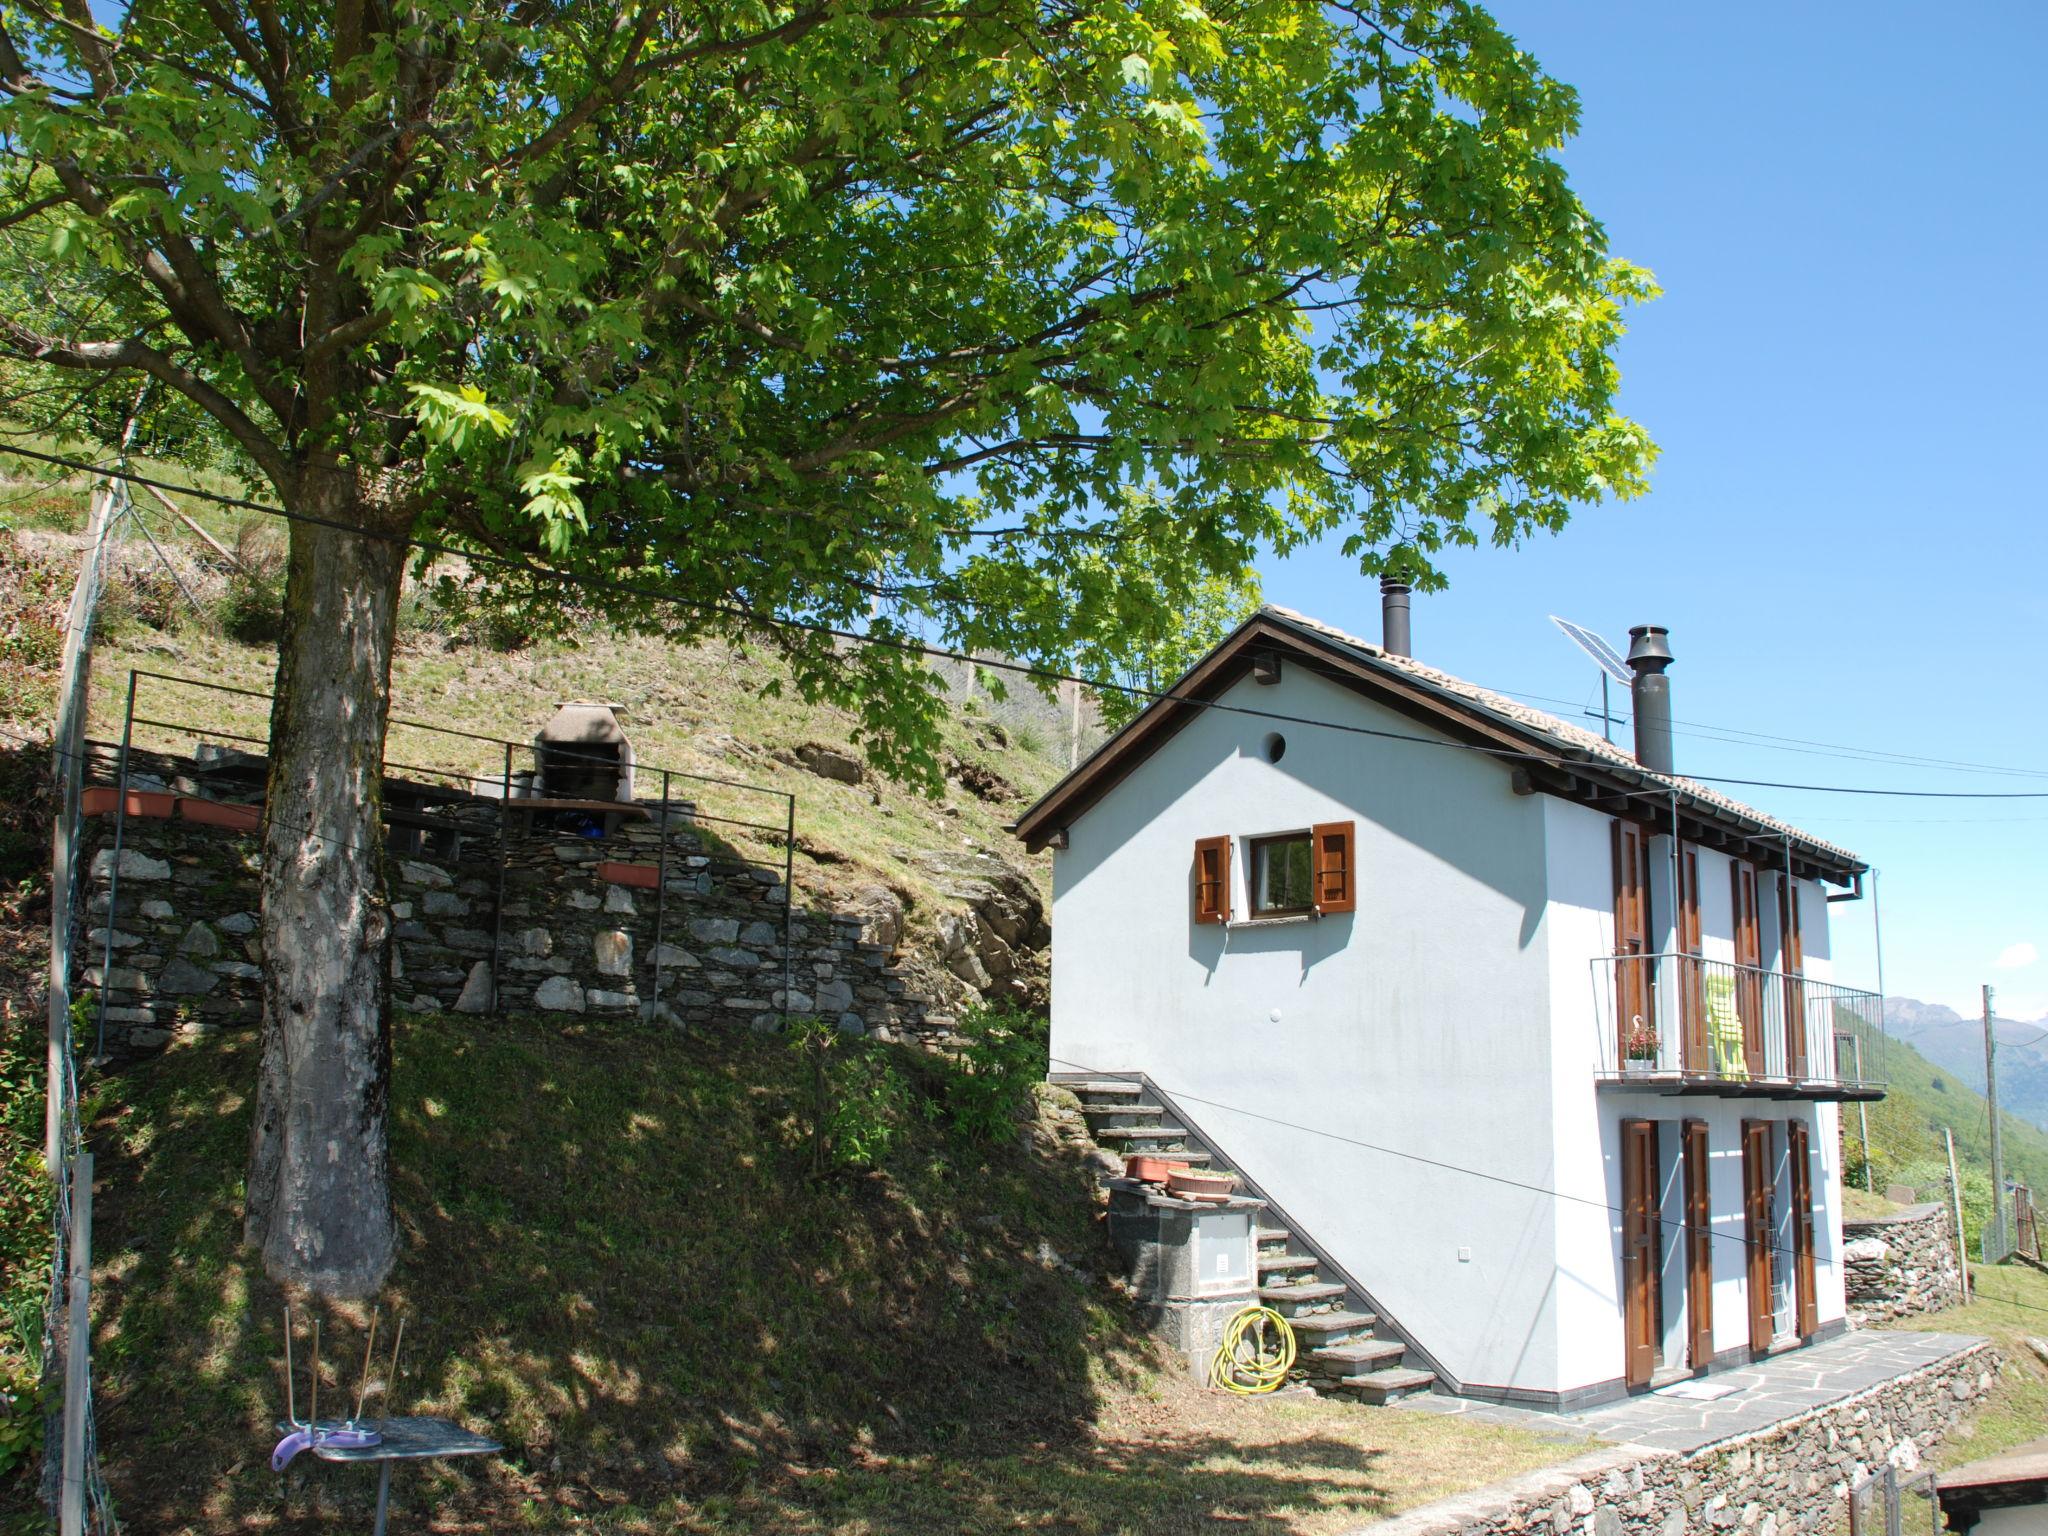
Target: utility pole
column 1997, row 1145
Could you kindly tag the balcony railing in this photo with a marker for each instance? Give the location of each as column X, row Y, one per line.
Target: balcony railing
column 1691, row 1025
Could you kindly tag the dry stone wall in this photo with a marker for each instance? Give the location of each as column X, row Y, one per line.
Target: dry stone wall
column 1789, row 1479
column 1900, row 1265
column 670, row 928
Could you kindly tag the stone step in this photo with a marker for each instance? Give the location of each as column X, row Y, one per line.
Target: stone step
column 1104, row 1090
column 1378, row 1387
column 1274, row 1234
column 1316, row 1329
column 1138, row 1133
column 1356, row 1357
column 1192, row 1159
column 1290, row 1300
column 1277, row 1263
column 1109, row 1117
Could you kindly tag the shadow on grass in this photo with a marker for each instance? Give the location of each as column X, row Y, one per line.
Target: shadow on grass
column 615, row 1264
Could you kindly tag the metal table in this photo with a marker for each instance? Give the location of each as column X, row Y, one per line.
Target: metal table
column 421, row 1439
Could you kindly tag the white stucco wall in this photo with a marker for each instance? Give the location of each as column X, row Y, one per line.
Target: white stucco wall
column 1452, row 1017
column 1580, row 929
column 1417, row 1023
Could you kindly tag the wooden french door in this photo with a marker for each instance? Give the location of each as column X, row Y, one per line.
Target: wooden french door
column 1807, row 1309
column 1635, row 998
column 1641, row 1252
column 1699, row 1248
column 1792, row 961
column 1749, row 955
column 1692, row 981
column 1756, row 1213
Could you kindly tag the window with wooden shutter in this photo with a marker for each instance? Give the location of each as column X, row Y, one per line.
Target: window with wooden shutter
column 1212, row 879
column 1336, row 882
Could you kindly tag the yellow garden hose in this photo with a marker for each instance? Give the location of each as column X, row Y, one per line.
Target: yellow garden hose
column 1256, row 1353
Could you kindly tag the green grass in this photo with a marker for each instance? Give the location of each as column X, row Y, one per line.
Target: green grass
column 615, row 1262
column 2010, row 1306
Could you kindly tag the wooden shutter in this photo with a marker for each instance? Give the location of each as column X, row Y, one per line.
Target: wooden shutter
column 1212, row 880
column 1633, row 992
column 1749, row 991
column 1808, row 1301
column 1641, row 1263
column 1692, row 988
column 1756, row 1212
column 1792, row 961
column 1699, row 1248
column 1336, row 883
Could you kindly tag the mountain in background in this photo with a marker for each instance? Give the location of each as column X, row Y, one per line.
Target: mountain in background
column 1956, row 1044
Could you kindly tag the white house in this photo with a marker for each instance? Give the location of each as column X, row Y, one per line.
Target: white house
column 1534, row 1039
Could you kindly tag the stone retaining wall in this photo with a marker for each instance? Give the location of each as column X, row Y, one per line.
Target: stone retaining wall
column 1793, row 1477
column 1901, row 1265
column 582, row 930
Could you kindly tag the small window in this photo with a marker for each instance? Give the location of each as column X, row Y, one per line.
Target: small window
column 1282, row 875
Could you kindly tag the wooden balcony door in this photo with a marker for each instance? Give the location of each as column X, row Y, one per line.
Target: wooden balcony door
column 1692, row 981
column 1641, row 1252
column 1807, row 1309
column 1635, row 999
column 1749, row 956
column 1756, row 1212
column 1792, row 961
column 1699, row 1248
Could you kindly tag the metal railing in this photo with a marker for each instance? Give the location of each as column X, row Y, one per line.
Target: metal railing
column 1688, row 1019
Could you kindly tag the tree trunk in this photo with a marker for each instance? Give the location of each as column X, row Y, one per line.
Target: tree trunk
column 319, row 1187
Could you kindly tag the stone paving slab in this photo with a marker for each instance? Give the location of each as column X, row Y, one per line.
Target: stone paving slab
column 1770, row 1390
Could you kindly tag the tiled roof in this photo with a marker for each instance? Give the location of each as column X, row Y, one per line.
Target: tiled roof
column 1572, row 738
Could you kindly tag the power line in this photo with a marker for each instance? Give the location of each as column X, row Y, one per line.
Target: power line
column 747, row 614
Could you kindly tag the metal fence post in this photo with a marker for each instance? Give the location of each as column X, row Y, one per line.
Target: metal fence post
column 114, row 865
column 660, row 888
column 788, row 900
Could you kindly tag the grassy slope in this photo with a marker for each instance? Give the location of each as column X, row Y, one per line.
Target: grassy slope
column 615, row 1261
column 2010, row 1306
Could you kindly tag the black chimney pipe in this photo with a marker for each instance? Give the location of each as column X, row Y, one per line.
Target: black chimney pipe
column 1649, row 653
column 1394, row 616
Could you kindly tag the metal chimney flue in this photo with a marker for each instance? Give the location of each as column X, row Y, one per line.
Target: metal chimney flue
column 1649, row 653
column 1394, row 638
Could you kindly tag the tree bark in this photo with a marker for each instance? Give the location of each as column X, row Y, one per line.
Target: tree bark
column 319, row 1186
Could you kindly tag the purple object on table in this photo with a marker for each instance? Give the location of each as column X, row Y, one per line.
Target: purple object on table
column 310, row 1437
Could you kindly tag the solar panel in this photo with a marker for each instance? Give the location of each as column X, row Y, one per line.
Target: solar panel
column 1605, row 656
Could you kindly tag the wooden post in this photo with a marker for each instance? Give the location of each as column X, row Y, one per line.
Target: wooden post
column 1955, row 1192
column 78, row 1356
column 67, row 743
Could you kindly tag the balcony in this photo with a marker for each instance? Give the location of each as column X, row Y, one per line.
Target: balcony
column 1679, row 1024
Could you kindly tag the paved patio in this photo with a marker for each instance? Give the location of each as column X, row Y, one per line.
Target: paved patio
column 1681, row 1417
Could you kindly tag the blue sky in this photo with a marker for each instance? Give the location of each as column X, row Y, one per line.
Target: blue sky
column 1845, row 533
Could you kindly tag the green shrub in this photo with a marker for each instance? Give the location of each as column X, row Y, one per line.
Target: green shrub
column 859, row 1100
column 1002, row 1057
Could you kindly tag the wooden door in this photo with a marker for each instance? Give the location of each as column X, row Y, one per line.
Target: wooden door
column 1756, row 1215
column 1792, row 961
column 1641, row 1252
column 1692, row 982
column 1749, row 956
column 1699, row 1249
column 1807, row 1309
column 1635, row 998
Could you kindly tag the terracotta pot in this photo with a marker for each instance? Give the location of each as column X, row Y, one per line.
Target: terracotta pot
column 97, row 801
column 217, row 813
column 1201, row 1186
column 152, row 802
column 643, row 876
column 1150, row 1169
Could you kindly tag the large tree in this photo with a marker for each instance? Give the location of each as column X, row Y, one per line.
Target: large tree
column 860, row 312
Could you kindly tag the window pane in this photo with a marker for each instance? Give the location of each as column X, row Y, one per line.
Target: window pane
column 1282, row 869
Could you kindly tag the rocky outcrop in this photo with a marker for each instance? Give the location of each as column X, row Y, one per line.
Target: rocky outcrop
column 993, row 943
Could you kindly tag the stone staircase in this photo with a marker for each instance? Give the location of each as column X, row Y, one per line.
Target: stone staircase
column 1344, row 1350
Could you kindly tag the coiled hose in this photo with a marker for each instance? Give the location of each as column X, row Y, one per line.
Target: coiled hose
column 1256, row 1353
